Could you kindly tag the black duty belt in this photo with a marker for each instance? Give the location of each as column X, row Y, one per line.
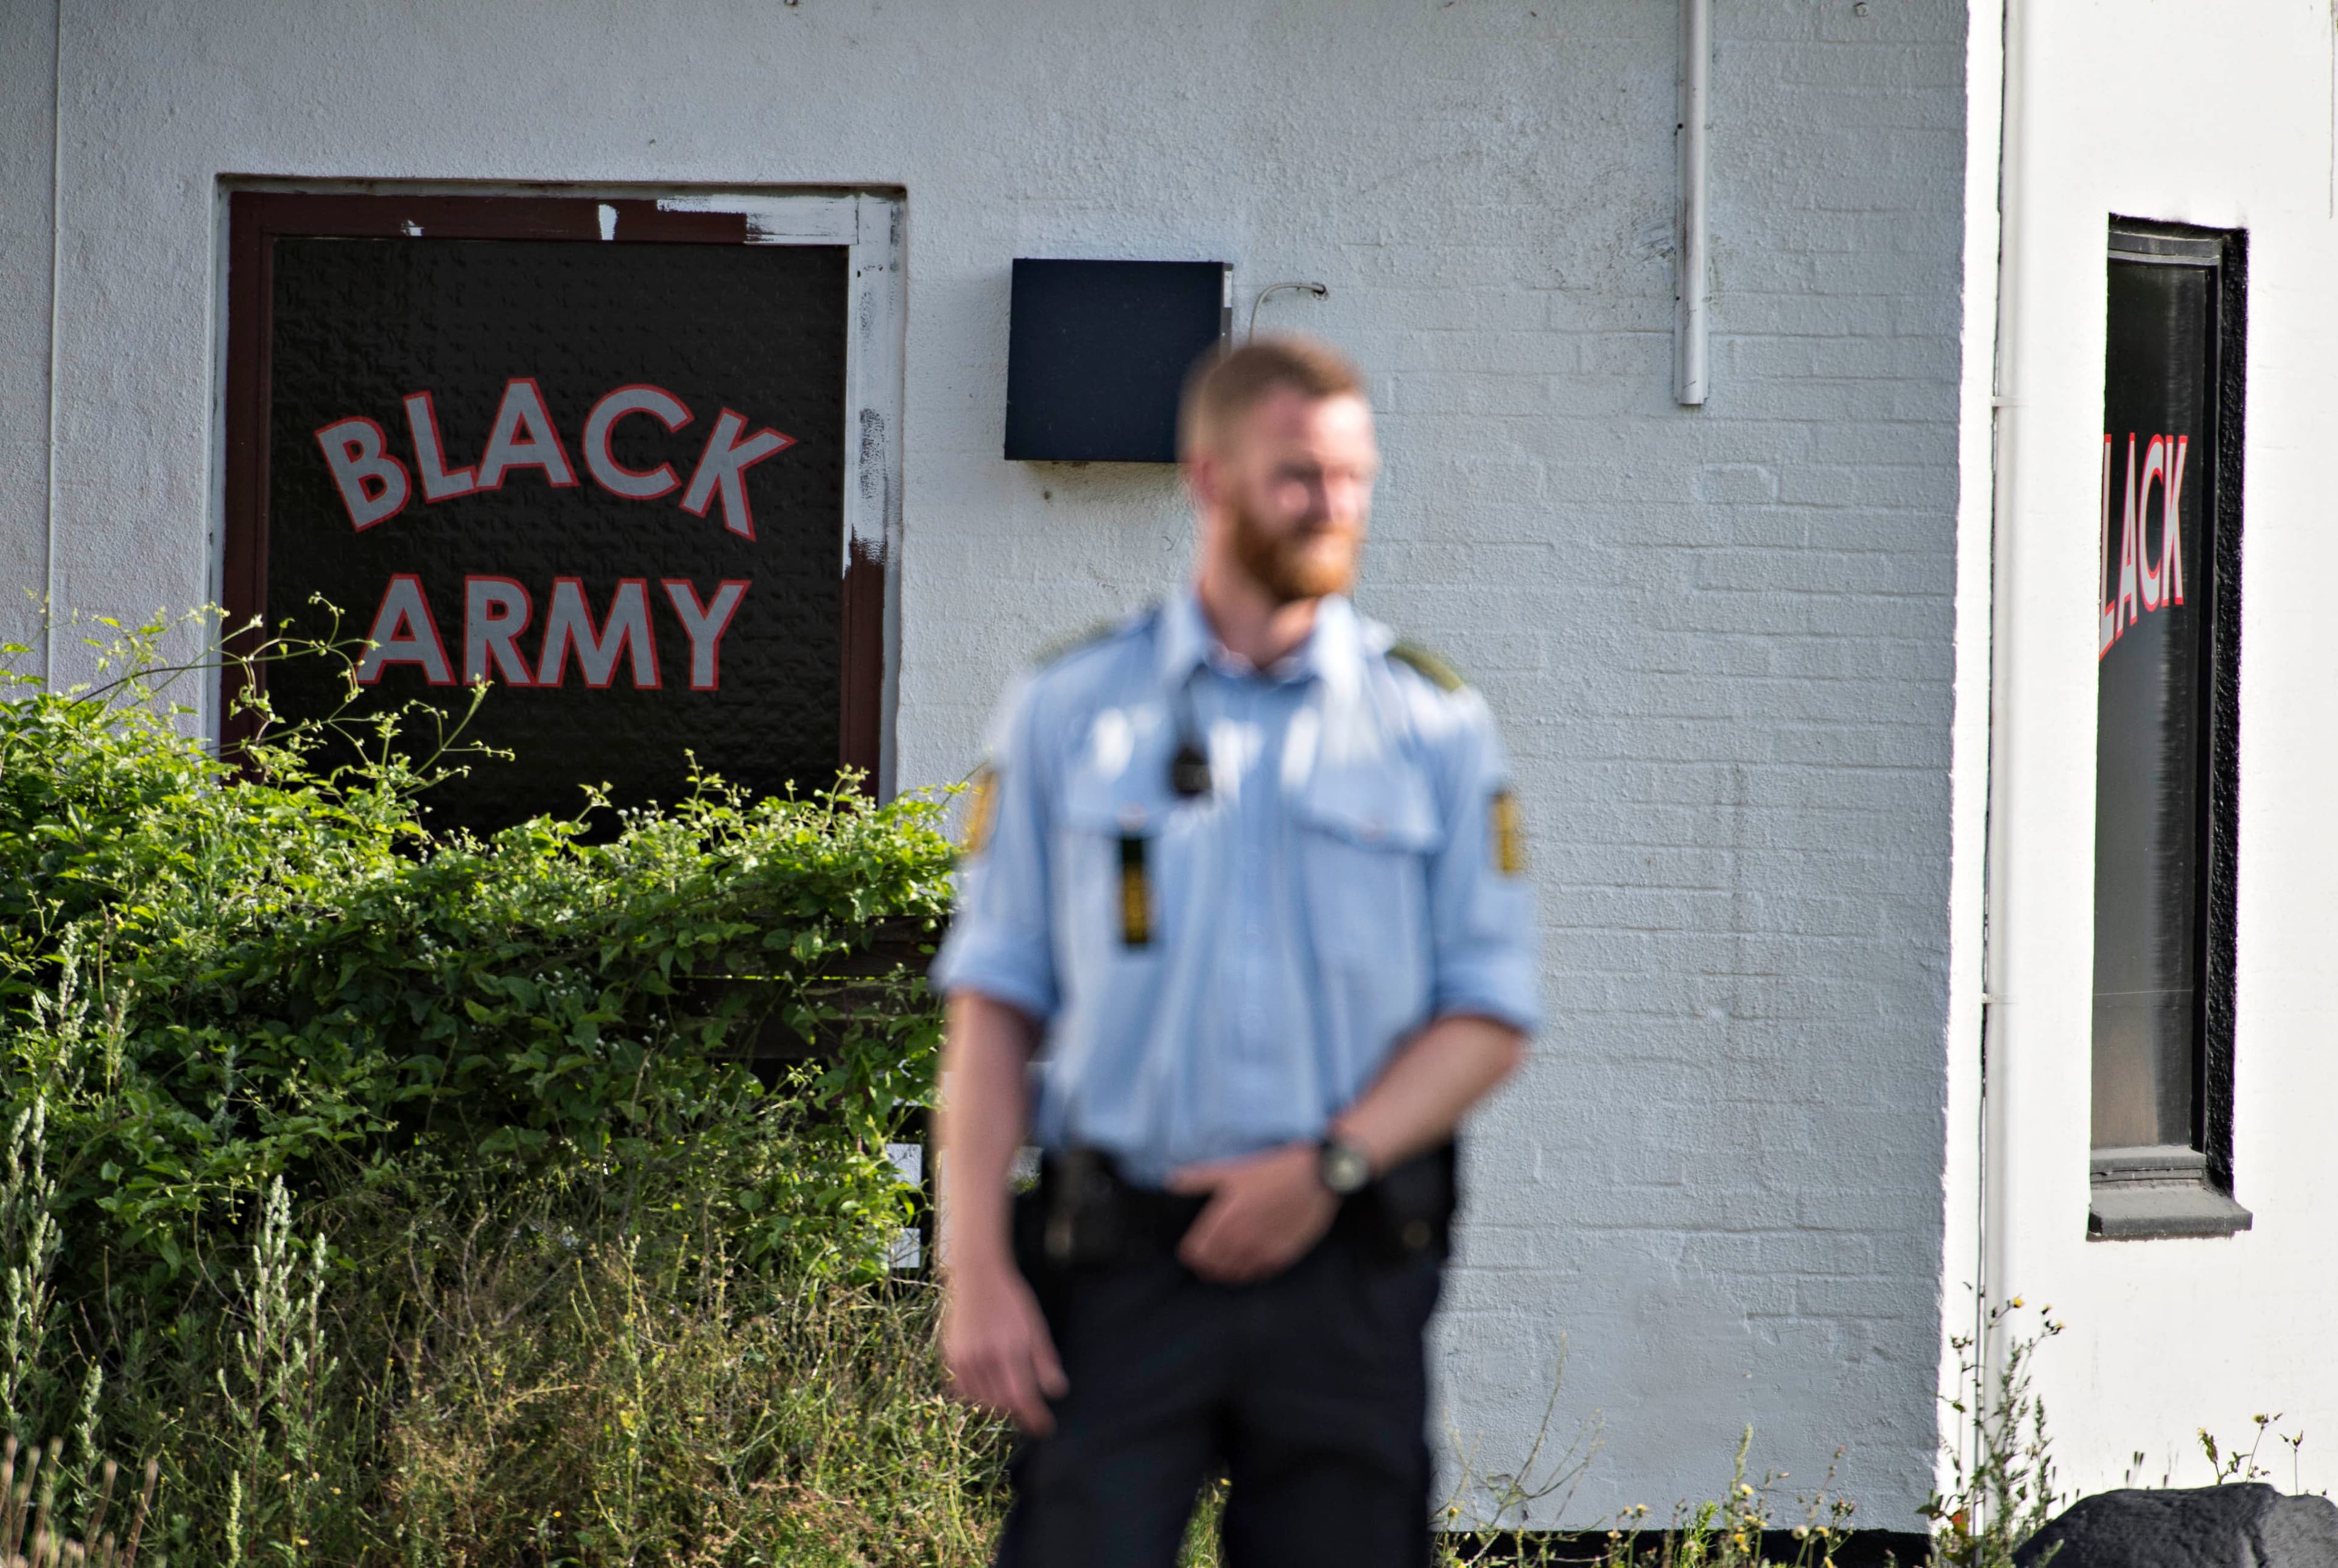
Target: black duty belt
column 1085, row 1214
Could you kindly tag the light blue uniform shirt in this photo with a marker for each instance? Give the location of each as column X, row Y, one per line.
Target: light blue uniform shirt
column 1347, row 879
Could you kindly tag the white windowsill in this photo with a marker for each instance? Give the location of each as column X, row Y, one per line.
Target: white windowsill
column 2139, row 1194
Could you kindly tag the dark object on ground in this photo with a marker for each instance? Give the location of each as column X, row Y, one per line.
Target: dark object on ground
column 2237, row 1527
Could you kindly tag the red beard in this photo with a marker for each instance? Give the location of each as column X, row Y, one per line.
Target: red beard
column 1306, row 565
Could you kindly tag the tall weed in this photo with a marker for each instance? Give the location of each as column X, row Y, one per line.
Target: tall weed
column 2000, row 1462
column 28, row 1252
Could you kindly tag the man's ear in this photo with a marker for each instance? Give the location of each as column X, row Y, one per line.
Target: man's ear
column 1202, row 476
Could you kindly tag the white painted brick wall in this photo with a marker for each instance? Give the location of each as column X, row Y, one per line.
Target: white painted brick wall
column 1719, row 641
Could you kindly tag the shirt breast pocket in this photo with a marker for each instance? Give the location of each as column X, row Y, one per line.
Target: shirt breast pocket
column 1365, row 839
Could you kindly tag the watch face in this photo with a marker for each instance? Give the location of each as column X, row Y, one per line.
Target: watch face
column 1344, row 1167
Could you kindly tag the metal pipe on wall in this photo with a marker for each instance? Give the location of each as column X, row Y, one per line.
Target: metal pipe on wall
column 1993, row 1265
column 1695, row 81
column 56, row 296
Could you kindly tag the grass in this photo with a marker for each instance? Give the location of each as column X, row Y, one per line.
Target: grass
column 579, row 1372
column 606, row 1405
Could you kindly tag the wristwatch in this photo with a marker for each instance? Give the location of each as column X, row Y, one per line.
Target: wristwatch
column 1342, row 1167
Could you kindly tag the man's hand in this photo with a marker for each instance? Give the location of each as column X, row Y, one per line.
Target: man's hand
column 1265, row 1211
column 996, row 1347
column 995, row 1343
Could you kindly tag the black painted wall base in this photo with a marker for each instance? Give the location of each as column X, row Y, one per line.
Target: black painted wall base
column 1536, row 1548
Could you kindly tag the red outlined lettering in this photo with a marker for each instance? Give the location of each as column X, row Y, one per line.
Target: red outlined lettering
column 524, row 437
column 704, row 624
column 438, row 482
column 2171, row 527
column 2154, row 472
column 635, row 484
column 2143, row 583
column 374, row 485
column 720, row 469
column 627, row 629
column 404, row 633
column 490, row 627
column 2127, row 611
column 2107, row 627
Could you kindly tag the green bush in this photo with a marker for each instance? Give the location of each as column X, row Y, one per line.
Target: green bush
column 287, row 975
column 333, row 1136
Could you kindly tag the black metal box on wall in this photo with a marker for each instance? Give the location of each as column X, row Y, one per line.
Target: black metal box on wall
column 1098, row 352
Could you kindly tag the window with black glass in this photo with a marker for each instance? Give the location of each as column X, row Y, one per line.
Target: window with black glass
column 2167, row 733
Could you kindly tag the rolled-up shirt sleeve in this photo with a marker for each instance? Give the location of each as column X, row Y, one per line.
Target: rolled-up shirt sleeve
column 1000, row 942
column 1481, row 901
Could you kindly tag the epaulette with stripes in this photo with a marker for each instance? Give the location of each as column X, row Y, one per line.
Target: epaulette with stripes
column 1432, row 668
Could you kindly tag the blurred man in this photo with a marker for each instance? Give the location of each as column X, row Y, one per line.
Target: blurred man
column 1242, row 933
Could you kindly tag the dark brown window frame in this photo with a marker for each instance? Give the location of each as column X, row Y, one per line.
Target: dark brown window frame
column 258, row 218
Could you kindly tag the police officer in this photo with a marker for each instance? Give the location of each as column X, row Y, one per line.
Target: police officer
column 1240, row 936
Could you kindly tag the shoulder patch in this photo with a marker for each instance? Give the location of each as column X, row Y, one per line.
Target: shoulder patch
column 984, row 810
column 1506, row 833
column 1432, row 668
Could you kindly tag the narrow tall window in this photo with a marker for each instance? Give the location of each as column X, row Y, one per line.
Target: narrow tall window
column 2168, row 644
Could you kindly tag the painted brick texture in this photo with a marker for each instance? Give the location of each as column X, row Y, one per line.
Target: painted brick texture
column 1719, row 640
column 1720, row 644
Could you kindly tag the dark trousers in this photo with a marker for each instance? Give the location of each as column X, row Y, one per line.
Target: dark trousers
column 1309, row 1389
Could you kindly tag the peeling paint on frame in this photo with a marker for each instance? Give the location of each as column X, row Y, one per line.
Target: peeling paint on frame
column 870, row 225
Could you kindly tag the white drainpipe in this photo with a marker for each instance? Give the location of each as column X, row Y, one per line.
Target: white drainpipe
column 1695, row 81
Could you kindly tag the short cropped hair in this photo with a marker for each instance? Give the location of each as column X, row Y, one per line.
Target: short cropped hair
column 1227, row 385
